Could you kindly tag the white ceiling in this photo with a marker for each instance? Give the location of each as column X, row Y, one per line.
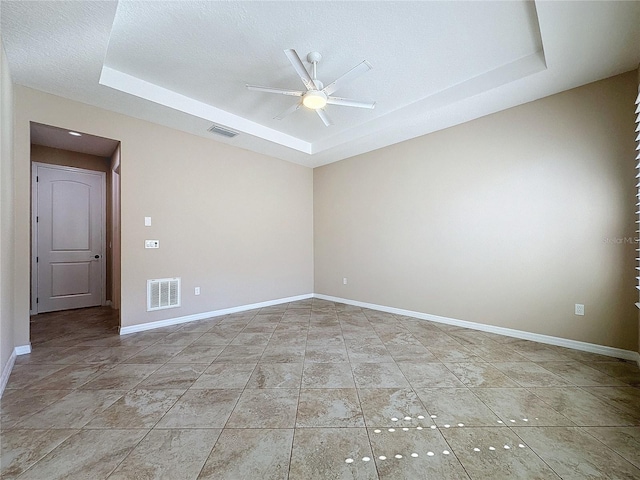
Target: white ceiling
column 185, row 64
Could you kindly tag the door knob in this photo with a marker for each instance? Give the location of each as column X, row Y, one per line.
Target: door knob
column 96, row 256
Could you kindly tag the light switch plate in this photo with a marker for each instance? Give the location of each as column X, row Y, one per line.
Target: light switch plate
column 147, row 221
column 152, row 244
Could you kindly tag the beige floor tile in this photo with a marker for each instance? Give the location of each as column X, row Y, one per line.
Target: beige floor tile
column 495, row 352
column 580, row 374
column 121, row 377
column 181, row 338
column 495, row 453
column 330, row 407
column 201, row 409
column 168, row 455
column 23, row 448
column 72, row 411
column 625, row 398
column 480, row 374
column 73, row 376
column 89, row 454
column 337, row 453
column 379, row 375
column 446, row 352
column 428, row 375
column 175, row 375
column 15, row 406
column 519, row 406
column 138, row 408
column 113, row 354
column 414, row 454
column 393, row 407
column 327, row 375
column 29, row 376
column 217, row 336
column 156, row 354
column 201, row 326
column 574, row 454
column 625, row 441
column 288, row 383
column 326, row 354
column 283, row 354
column 456, row 408
column 240, row 354
column 585, row 409
column 204, row 354
column 248, row 338
column 411, row 353
column 367, row 353
column 57, row 355
column 265, row 408
column 537, row 352
column 225, row 376
column 529, row 374
column 276, row 375
column 250, row 453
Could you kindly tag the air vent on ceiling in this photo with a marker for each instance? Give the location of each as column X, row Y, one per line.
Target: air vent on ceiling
column 218, row 130
column 163, row 293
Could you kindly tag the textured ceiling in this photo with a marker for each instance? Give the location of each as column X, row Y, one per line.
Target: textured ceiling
column 435, row 64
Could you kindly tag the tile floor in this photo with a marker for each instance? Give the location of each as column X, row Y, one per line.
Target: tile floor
column 312, row 390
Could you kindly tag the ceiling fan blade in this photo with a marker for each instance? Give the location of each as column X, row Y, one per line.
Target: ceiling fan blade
column 281, row 91
column 288, row 111
column 293, row 57
column 324, row 117
column 355, row 72
column 347, row 102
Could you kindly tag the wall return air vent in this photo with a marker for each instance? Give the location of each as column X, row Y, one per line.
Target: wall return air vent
column 163, row 293
column 225, row 132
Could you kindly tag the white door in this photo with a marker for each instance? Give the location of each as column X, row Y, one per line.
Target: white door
column 69, row 231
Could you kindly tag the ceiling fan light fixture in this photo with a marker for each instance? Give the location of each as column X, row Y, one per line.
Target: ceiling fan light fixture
column 314, row 99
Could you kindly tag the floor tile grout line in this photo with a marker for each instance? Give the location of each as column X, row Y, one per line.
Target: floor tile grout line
column 295, row 423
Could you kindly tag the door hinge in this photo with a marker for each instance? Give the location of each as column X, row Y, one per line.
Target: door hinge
column 37, row 259
column 37, row 178
column 37, row 219
column 37, row 300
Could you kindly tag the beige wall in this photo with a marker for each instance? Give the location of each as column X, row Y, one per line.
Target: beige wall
column 114, row 239
column 236, row 223
column 500, row 221
column 7, row 339
column 56, row 156
column 638, row 159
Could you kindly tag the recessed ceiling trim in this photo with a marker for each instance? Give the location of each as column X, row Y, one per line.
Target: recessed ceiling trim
column 126, row 83
column 508, row 73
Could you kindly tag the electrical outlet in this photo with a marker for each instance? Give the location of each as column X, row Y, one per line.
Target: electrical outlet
column 152, row 244
column 579, row 309
column 197, row 291
column 344, row 281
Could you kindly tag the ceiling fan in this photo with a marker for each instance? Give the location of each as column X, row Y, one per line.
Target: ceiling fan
column 317, row 95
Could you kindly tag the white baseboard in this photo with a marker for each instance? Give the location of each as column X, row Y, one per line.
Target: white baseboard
column 23, row 349
column 509, row 332
column 6, row 371
column 215, row 313
column 536, row 337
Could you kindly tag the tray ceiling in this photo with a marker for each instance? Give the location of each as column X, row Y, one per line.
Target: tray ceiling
column 435, row 64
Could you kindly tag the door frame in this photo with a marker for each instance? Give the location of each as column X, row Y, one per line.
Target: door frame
column 34, row 230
